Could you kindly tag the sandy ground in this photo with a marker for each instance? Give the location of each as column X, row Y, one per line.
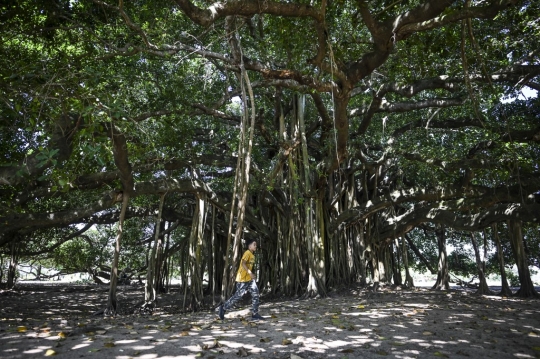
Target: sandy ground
column 40, row 320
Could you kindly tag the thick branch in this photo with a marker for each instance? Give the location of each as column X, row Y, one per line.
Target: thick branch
column 483, row 196
column 43, row 220
column 426, row 20
column 121, row 159
column 398, row 226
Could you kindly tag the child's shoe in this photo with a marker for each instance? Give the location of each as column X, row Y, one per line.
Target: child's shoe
column 257, row 316
column 221, row 312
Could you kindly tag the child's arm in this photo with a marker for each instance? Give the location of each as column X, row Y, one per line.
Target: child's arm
column 243, row 263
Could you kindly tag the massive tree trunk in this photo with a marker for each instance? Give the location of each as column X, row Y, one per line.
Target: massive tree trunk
column 480, row 265
column 443, row 275
column 505, row 288
column 112, row 305
column 526, row 289
column 153, row 268
column 409, row 283
column 120, row 154
column 160, row 265
column 293, row 237
column 355, row 234
column 359, row 251
column 196, row 253
column 312, row 237
column 212, row 251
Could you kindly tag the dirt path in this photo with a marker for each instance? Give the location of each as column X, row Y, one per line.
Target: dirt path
column 38, row 321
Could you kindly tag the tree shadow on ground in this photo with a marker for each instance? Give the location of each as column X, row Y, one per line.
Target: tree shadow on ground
column 38, row 320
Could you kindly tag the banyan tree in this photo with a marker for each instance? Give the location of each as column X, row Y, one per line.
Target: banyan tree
column 348, row 137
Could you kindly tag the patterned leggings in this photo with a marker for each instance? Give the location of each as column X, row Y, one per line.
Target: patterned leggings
column 241, row 289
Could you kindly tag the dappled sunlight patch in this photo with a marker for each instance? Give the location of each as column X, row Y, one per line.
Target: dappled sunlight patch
column 152, row 356
column 80, row 346
column 336, row 343
column 363, row 341
column 398, row 325
column 147, row 337
column 37, row 350
column 142, row 347
column 441, row 342
column 126, row 341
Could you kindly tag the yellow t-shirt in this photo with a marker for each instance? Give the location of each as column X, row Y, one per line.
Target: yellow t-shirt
column 242, row 275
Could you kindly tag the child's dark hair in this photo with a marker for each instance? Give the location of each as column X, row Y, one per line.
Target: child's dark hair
column 249, row 241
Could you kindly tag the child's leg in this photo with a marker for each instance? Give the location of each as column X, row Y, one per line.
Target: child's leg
column 241, row 288
column 254, row 290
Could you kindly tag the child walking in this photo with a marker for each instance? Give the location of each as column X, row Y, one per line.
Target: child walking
column 245, row 281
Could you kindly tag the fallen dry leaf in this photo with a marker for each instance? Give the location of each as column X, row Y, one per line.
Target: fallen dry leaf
column 50, row 353
column 215, row 344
